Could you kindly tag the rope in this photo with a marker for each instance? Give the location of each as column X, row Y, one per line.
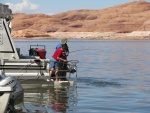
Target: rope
column 23, row 68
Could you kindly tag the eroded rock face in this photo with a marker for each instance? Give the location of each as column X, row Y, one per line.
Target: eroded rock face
column 125, row 18
column 28, row 33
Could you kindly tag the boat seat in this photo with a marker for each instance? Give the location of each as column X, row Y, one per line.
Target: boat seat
column 21, row 56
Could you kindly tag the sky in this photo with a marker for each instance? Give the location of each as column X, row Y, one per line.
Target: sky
column 51, row 7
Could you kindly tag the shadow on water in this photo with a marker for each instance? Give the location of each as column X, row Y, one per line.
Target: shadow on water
column 99, row 83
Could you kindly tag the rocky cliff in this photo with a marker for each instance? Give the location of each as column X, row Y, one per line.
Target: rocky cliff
column 124, row 18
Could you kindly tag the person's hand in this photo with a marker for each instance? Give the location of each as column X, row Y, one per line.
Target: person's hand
column 65, row 61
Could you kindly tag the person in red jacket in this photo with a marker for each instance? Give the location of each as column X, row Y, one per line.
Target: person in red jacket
column 54, row 61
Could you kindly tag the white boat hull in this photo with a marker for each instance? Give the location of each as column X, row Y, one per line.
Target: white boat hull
column 42, row 82
column 5, row 93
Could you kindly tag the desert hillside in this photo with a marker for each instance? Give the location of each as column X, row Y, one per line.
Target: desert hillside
column 124, row 18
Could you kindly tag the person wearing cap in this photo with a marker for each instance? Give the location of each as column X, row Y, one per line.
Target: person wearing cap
column 54, row 61
column 62, row 65
column 63, row 41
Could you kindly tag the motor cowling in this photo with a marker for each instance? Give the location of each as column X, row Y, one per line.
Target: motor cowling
column 41, row 53
column 38, row 52
column 12, row 82
column 17, row 96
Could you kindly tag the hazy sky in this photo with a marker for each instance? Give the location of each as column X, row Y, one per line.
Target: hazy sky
column 57, row 6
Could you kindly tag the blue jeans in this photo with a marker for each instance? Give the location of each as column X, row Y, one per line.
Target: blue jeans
column 53, row 63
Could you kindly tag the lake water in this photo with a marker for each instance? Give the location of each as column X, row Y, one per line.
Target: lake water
column 113, row 77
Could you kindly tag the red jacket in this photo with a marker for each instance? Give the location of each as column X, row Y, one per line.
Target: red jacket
column 57, row 53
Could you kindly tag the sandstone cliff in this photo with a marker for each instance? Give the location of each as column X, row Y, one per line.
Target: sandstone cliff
column 124, row 18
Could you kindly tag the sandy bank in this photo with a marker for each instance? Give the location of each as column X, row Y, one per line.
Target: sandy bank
column 136, row 35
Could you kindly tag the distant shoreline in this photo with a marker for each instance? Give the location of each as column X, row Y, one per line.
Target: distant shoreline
column 136, row 35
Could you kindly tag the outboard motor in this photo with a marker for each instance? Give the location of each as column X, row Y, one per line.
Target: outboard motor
column 36, row 51
column 16, row 99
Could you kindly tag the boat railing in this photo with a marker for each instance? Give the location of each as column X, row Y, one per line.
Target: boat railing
column 69, row 67
column 39, row 68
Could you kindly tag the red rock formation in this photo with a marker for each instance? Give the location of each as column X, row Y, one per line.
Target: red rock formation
column 122, row 18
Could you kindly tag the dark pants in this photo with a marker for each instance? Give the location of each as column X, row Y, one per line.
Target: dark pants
column 63, row 67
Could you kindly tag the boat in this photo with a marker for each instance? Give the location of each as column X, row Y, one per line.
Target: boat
column 31, row 69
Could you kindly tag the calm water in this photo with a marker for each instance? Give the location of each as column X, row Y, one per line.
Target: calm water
column 113, row 77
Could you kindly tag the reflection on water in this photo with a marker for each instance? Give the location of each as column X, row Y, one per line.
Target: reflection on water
column 50, row 99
